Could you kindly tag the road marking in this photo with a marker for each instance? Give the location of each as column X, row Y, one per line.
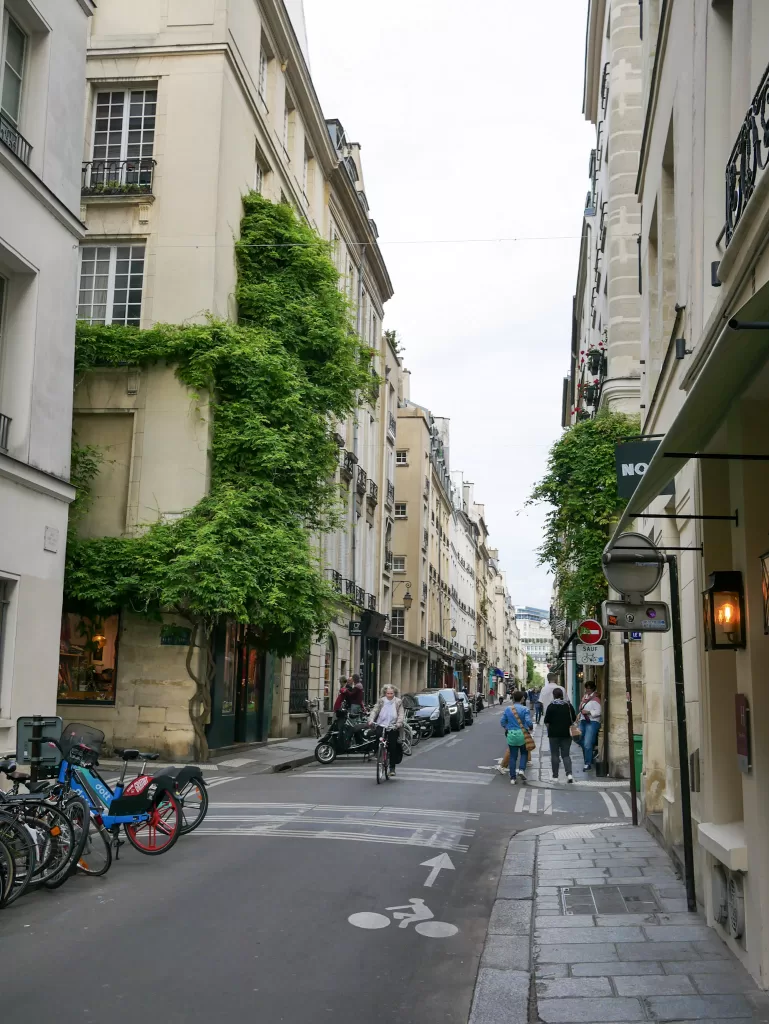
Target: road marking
column 610, row 806
column 269, row 820
column 454, row 741
column 369, row 921
column 358, row 837
column 408, row 774
column 624, row 806
column 474, row 815
column 440, row 863
column 548, row 801
column 519, row 801
column 414, row 912
column 221, row 782
column 533, row 802
column 436, row 929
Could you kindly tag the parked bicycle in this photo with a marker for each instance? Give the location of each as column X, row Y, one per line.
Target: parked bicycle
column 313, row 710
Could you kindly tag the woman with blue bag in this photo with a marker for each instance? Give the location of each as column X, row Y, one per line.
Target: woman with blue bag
column 516, row 721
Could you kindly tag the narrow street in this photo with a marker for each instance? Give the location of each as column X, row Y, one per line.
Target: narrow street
column 251, row 914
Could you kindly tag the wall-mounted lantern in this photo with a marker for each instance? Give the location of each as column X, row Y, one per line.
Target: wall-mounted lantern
column 765, row 589
column 724, row 610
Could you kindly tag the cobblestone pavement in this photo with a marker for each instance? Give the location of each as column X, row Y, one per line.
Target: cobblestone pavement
column 590, row 925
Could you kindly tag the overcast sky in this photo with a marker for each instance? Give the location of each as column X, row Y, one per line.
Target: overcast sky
column 470, row 122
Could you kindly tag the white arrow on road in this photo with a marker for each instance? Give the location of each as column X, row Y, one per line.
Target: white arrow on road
column 437, row 864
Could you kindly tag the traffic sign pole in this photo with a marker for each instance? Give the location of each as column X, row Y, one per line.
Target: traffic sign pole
column 630, row 744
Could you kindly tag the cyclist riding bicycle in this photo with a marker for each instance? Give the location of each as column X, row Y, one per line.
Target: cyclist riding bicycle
column 387, row 715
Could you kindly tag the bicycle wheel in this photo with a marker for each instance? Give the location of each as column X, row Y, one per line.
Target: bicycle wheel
column 7, row 872
column 407, row 740
column 19, row 844
column 381, row 764
column 416, row 734
column 194, row 801
column 56, row 841
column 96, row 857
column 78, row 814
column 160, row 830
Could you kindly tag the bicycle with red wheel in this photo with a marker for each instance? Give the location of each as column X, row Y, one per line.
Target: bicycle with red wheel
column 382, row 756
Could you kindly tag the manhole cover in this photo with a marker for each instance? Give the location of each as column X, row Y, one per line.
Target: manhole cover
column 609, row 899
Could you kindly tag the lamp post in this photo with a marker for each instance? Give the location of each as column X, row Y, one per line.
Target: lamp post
column 408, row 599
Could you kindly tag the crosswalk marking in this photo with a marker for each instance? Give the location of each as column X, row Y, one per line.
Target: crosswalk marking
column 378, row 808
column 548, row 801
column 624, row 805
column 221, row 782
column 407, row 774
column 609, row 805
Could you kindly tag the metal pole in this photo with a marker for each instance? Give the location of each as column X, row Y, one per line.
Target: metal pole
column 683, row 740
column 630, row 745
column 34, row 747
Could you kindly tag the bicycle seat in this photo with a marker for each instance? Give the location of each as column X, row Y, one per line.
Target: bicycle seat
column 129, row 754
column 8, row 766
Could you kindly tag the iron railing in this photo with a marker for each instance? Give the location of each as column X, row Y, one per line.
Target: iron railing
column 360, row 597
column 118, row 177
column 425, row 539
column 11, row 137
column 390, row 492
column 371, row 602
column 362, row 481
column 337, row 580
column 388, row 561
column 349, row 588
column 373, row 492
column 347, row 464
column 5, row 426
column 749, row 156
column 392, row 424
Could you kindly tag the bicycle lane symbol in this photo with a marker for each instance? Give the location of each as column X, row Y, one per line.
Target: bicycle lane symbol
column 414, row 912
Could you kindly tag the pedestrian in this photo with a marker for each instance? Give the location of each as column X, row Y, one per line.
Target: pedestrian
column 589, row 723
column 516, row 721
column 387, row 714
column 539, row 709
column 559, row 717
column 546, row 694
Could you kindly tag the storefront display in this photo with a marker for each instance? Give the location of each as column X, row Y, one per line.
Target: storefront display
column 87, row 659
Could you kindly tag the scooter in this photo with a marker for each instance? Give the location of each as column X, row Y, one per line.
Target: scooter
column 346, row 735
column 479, row 704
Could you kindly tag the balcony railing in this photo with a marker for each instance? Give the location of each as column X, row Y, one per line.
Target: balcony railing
column 337, row 581
column 373, row 493
column 5, row 426
column 347, row 464
column 425, row 539
column 349, row 588
column 118, row 177
column 388, row 561
column 371, row 602
column 392, row 425
column 362, row 481
column 424, row 591
column 390, row 492
column 14, row 140
column 748, row 158
column 360, row 597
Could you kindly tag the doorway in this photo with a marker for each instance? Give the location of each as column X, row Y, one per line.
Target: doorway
column 237, row 706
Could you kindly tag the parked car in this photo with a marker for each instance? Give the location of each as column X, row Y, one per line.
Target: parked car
column 456, row 709
column 433, row 711
column 468, row 706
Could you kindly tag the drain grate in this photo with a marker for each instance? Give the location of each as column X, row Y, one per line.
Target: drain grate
column 609, row 899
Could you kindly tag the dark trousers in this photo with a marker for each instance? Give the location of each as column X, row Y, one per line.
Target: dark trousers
column 394, row 748
column 560, row 748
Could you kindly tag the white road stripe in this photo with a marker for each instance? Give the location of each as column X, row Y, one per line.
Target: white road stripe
column 519, row 801
column 624, row 806
column 348, row 807
column 611, row 808
column 533, row 802
column 276, row 820
column 408, row 775
column 221, row 782
column 343, row 836
column 548, row 801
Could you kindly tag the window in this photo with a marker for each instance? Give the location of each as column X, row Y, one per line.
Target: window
column 399, row 563
column 398, row 622
column 14, row 47
column 328, row 674
column 124, row 136
column 401, row 510
column 289, row 126
column 258, row 175
column 111, row 281
column 264, row 61
column 402, row 458
column 299, row 685
column 87, row 659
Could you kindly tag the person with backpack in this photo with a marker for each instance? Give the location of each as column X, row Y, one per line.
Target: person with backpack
column 559, row 719
column 516, row 721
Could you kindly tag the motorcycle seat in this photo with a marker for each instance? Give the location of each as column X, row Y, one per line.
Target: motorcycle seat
column 132, row 754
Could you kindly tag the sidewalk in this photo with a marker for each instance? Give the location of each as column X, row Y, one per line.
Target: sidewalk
column 251, row 759
column 590, row 925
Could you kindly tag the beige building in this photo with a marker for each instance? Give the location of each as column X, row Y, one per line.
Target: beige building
column 705, row 387
column 42, row 66
column 189, row 107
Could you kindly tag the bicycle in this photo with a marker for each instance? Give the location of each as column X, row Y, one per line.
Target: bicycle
column 313, row 710
column 382, row 757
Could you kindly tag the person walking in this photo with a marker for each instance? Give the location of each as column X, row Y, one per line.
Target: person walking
column 514, row 721
column 546, row 694
column 388, row 715
column 538, row 707
column 559, row 717
column 589, row 723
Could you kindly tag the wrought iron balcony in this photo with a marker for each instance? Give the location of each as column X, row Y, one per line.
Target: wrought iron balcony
column 338, row 438
column 425, row 539
column 388, row 561
column 362, row 481
column 349, row 588
column 371, row 602
column 360, row 597
column 11, row 137
column 337, row 581
column 5, row 426
column 118, row 177
column 748, row 158
column 424, row 591
column 392, row 425
column 347, row 465
column 390, row 492
column 373, row 493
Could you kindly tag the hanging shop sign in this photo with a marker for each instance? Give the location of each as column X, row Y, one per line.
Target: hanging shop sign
column 593, row 654
column 355, row 628
column 623, row 617
column 632, row 460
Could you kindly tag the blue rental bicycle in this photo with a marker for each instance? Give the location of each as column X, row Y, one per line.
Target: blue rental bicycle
column 147, row 807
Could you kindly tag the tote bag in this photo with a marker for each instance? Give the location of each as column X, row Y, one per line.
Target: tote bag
column 529, row 739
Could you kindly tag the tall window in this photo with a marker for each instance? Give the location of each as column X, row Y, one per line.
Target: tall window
column 398, row 622
column 328, row 674
column 111, row 281
column 263, row 62
column 124, row 136
column 14, row 48
column 258, row 174
column 299, row 685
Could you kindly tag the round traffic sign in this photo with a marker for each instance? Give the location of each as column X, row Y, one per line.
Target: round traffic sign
column 633, row 575
column 589, row 631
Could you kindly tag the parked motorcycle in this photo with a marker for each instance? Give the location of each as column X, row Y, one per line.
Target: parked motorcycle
column 479, row 704
column 346, row 734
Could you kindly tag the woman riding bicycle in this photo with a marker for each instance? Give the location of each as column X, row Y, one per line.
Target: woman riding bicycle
column 387, row 715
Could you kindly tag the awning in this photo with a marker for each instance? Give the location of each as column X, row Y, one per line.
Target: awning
column 729, row 369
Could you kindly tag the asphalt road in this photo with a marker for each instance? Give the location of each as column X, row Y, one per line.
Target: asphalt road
column 250, row 914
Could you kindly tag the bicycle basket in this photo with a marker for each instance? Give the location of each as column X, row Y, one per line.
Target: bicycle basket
column 74, row 734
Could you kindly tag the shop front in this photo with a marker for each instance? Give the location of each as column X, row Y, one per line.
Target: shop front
column 88, row 650
column 241, row 694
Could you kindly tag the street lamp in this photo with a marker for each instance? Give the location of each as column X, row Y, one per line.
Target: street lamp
column 724, row 607
column 408, row 600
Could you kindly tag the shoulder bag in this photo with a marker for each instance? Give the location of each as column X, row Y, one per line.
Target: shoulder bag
column 528, row 738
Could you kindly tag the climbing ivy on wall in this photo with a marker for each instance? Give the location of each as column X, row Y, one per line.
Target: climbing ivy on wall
column 580, row 487
column 277, row 380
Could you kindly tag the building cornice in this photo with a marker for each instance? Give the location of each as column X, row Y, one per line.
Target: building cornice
column 87, row 7
column 596, row 17
column 35, row 479
column 651, row 107
column 44, row 195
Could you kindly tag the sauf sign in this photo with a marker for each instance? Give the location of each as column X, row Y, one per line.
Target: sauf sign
column 632, row 460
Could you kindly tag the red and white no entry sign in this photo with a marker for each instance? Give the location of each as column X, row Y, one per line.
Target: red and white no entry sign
column 589, row 631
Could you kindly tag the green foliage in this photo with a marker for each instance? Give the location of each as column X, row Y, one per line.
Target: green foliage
column 580, row 486
column 277, row 380
column 84, row 468
column 530, row 673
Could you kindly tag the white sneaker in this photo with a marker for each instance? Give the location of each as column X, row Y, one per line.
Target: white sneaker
column 521, row 775
column 512, row 782
column 569, row 778
column 501, row 770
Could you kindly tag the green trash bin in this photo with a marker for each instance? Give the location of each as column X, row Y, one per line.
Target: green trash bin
column 638, row 759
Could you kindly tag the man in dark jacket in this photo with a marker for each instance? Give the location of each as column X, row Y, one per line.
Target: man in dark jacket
column 558, row 719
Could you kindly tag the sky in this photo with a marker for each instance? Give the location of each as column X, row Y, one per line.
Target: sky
column 471, row 127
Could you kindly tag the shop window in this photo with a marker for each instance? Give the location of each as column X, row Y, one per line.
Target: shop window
column 328, row 675
column 88, row 659
column 230, row 668
column 299, row 686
